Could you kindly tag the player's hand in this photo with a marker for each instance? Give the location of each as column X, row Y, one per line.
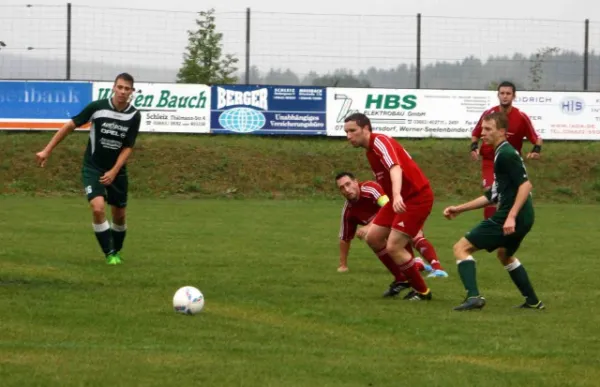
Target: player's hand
column 533, row 156
column 509, row 225
column 108, row 177
column 342, row 269
column 451, row 212
column 362, row 233
column 42, row 158
column 399, row 206
column 475, row 155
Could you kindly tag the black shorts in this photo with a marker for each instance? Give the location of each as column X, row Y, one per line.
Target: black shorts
column 114, row 194
column 489, row 235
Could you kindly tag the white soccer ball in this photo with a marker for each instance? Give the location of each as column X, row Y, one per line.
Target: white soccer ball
column 188, row 300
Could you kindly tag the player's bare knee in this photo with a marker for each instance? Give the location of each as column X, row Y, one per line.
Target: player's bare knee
column 118, row 215
column 375, row 242
column 462, row 249
column 418, row 237
column 97, row 206
column 398, row 252
column 504, row 258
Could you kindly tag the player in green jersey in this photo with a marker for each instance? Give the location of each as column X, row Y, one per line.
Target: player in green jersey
column 115, row 124
column 507, row 228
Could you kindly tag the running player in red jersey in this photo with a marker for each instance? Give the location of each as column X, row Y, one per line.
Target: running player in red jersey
column 519, row 127
column 400, row 220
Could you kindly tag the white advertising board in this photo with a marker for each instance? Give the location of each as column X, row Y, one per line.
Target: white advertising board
column 454, row 113
column 168, row 108
column 408, row 112
column 562, row 115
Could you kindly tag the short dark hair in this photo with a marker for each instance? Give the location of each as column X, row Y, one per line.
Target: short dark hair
column 508, row 84
column 342, row 174
column 499, row 118
column 361, row 120
column 126, row 77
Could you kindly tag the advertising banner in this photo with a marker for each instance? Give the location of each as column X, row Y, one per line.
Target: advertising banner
column 166, row 107
column 36, row 105
column 288, row 110
column 409, row 113
column 562, row 115
column 454, row 113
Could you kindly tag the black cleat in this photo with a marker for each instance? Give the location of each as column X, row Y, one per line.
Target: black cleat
column 471, row 303
column 395, row 288
column 525, row 305
column 413, row 295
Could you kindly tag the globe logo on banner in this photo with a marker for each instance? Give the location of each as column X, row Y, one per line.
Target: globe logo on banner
column 242, row 120
column 241, row 109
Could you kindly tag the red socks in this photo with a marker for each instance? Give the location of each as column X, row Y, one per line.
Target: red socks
column 428, row 252
column 391, row 265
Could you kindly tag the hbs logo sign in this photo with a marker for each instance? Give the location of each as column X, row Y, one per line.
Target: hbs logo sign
column 572, row 105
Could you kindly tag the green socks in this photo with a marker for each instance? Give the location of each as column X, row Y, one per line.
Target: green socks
column 519, row 276
column 104, row 237
column 118, row 235
column 466, row 270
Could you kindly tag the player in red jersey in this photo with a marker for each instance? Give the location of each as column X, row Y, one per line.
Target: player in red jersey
column 519, row 127
column 363, row 201
column 400, row 220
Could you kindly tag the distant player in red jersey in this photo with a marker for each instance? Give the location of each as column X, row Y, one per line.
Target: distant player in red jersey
column 400, row 220
column 363, row 201
column 519, row 127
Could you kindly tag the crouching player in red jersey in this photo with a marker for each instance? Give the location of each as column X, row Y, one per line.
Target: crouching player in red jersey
column 519, row 127
column 363, row 201
column 400, row 220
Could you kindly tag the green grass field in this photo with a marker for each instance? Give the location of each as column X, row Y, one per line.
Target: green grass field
column 277, row 313
column 202, row 166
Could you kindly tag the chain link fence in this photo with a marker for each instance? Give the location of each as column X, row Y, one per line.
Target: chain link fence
column 406, row 51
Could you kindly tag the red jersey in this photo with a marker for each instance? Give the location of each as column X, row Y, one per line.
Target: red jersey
column 362, row 211
column 383, row 153
column 519, row 127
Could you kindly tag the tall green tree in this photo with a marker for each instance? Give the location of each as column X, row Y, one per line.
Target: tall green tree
column 204, row 62
column 536, row 69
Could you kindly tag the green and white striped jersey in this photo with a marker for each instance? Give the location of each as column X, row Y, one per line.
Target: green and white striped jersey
column 111, row 130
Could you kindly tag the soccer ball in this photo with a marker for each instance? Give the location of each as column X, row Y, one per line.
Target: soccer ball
column 188, row 300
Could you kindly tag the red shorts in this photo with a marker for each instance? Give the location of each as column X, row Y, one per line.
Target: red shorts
column 487, row 173
column 410, row 222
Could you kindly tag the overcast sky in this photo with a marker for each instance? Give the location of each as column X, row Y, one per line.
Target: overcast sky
column 564, row 10
column 303, row 35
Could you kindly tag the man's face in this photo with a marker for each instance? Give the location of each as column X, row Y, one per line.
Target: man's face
column 122, row 90
column 506, row 96
column 348, row 188
column 490, row 133
column 356, row 135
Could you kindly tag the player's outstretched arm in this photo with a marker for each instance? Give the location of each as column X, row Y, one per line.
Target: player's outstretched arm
column 453, row 211
column 42, row 157
column 344, row 250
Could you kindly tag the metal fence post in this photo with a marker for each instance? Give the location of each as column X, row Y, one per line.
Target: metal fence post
column 586, row 49
column 418, row 67
column 247, row 46
column 68, row 41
